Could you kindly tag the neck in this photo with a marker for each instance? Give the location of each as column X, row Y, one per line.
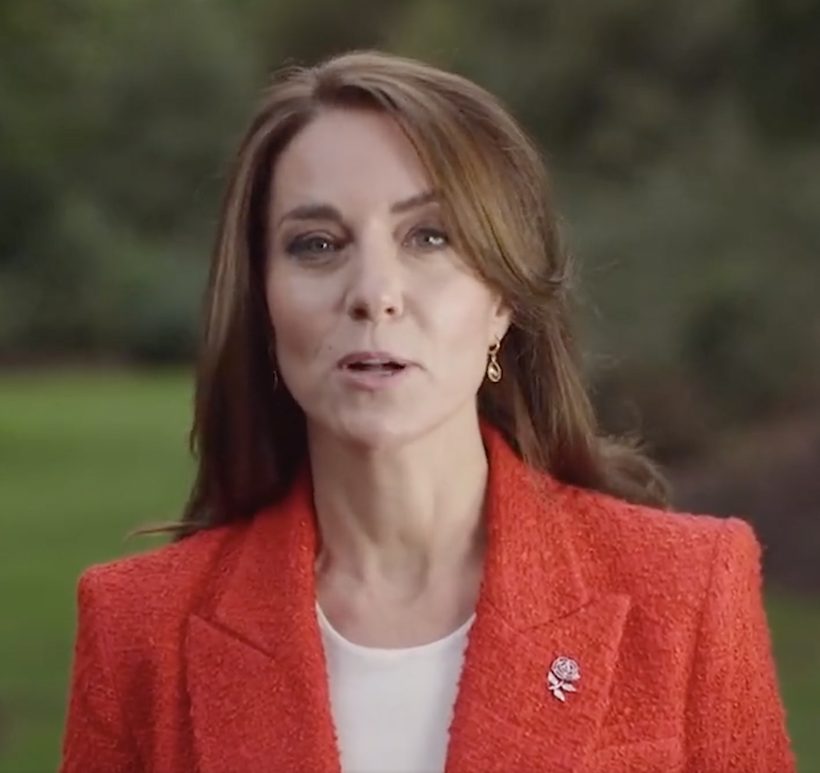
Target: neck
column 408, row 516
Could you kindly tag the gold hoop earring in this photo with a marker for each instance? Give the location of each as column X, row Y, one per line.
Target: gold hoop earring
column 493, row 367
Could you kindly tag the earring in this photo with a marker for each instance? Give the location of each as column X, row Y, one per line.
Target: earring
column 493, row 366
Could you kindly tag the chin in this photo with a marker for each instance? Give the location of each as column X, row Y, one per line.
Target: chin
column 379, row 432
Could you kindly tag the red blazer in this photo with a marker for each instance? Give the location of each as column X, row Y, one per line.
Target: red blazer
column 205, row 655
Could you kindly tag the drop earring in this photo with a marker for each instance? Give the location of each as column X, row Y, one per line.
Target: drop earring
column 493, row 366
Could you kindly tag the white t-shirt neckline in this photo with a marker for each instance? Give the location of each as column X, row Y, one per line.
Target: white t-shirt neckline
column 392, row 707
column 363, row 650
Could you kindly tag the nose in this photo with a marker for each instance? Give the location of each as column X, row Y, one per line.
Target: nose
column 376, row 291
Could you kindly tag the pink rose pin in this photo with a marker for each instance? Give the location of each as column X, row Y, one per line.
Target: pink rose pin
column 563, row 672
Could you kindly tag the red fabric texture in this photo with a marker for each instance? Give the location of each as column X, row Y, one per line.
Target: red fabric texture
column 205, row 655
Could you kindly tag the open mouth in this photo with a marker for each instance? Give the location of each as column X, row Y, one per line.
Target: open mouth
column 376, row 367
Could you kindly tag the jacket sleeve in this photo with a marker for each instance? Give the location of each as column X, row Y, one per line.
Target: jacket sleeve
column 95, row 737
column 735, row 720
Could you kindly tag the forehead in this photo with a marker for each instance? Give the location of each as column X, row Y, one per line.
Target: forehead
column 348, row 157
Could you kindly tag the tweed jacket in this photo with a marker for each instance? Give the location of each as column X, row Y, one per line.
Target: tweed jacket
column 205, row 655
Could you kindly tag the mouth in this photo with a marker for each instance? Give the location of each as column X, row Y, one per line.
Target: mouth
column 369, row 366
column 368, row 362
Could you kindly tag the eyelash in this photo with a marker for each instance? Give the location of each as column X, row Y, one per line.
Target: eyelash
column 301, row 245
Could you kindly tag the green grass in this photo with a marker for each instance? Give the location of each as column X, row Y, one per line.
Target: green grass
column 795, row 624
column 84, row 458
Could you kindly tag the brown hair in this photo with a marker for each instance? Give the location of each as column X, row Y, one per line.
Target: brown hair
column 249, row 435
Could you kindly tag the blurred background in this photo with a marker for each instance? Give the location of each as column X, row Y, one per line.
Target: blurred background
column 684, row 141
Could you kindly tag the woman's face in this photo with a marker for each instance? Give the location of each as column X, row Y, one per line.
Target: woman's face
column 361, row 278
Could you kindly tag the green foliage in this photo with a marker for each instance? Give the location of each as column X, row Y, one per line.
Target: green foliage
column 121, row 117
column 700, row 279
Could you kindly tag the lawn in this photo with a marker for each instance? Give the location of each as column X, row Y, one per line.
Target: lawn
column 84, row 458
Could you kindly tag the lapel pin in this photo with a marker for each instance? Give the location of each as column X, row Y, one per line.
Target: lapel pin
column 563, row 672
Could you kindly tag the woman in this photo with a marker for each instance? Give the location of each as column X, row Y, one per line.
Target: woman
column 407, row 548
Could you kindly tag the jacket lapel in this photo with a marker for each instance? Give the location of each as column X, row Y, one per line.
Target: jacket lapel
column 255, row 665
column 256, row 673
column 533, row 607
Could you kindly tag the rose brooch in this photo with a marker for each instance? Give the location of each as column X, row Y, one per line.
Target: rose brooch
column 563, row 672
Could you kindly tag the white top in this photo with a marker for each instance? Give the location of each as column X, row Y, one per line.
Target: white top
column 392, row 707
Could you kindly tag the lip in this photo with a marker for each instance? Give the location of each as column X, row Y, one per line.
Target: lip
column 372, row 381
column 372, row 355
column 369, row 381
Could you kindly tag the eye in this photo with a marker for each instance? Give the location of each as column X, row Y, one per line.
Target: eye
column 429, row 239
column 312, row 246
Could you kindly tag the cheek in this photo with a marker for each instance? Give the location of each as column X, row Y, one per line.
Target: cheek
column 462, row 307
column 461, row 317
column 296, row 316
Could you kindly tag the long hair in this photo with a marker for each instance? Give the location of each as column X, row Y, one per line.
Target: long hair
column 249, row 435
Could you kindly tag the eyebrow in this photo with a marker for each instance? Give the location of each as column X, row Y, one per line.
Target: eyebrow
column 329, row 212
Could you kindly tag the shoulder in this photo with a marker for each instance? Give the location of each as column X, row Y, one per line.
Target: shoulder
column 646, row 551
column 162, row 582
